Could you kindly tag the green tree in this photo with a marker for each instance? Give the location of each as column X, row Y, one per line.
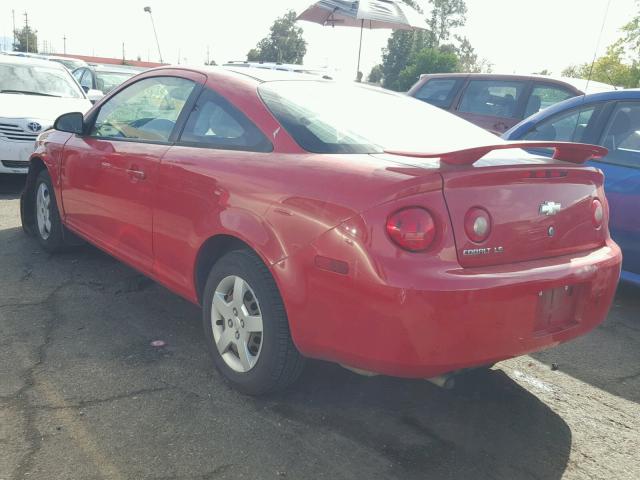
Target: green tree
column 26, row 40
column 403, row 46
column 427, row 60
column 446, row 15
column 375, row 76
column 284, row 44
column 610, row 68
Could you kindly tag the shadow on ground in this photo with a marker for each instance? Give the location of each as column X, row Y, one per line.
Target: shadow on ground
column 11, row 185
column 99, row 392
column 608, row 357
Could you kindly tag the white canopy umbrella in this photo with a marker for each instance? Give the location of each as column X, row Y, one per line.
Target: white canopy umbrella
column 392, row 14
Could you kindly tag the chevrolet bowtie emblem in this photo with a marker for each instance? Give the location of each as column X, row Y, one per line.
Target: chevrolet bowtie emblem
column 549, row 208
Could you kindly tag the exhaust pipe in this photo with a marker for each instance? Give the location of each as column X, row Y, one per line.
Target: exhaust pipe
column 446, row 381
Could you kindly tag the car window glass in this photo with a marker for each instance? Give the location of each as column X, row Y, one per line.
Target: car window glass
column 86, row 81
column 78, row 74
column 543, row 96
column 146, row 110
column 622, row 135
column 567, row 127
column 438, row 91
column 107, row 81
column 215, row 123
column 492, row 97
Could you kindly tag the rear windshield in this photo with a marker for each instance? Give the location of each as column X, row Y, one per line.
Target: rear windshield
column 331, row 117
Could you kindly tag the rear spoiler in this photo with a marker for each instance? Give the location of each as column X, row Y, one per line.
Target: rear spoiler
column 566, row 151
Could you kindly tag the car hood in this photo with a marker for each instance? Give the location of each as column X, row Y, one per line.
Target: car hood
column 39, row 107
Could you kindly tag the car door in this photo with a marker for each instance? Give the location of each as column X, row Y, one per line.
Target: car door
column 621, row 136
column 543, row 95
column 494, row 105
column 108, row 175
column 218, row 146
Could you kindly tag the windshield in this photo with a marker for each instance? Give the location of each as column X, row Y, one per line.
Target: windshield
column 38, row 80
column 69, row 63
column 107, row 81
column 327, row 117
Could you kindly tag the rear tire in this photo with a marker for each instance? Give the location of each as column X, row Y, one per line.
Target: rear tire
column 48, row 227
column 246, row 327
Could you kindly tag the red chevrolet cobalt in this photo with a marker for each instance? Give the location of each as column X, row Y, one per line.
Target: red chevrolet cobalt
column 316, row 219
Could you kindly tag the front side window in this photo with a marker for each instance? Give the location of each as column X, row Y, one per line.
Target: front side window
column 543, row 96
column 492, row 97
column 566, row 127
column 147, row 110
column 78, row 74
column 86, row 81
column 38, row 80
column 439, row 91
column 215, row 123
column 622, row 135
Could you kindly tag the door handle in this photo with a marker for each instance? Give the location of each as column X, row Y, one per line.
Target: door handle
column 139, row 174
column 105, row 165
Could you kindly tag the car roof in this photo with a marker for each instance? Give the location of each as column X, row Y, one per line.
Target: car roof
column 36, row 62
column 619, row 95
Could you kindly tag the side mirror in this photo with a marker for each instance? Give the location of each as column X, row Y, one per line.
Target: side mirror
column 70, row 122
column 94, row 95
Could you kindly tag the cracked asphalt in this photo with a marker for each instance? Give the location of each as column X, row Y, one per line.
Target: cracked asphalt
column 83, row 394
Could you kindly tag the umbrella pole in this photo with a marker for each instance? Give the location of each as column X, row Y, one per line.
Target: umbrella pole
column 359, row 49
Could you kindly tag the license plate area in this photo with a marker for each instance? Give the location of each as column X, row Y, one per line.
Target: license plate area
column 557, row 309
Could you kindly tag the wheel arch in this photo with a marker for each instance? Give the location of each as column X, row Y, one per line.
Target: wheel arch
column 212, row 250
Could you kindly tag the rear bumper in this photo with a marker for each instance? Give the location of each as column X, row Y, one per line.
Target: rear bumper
column 439, row 320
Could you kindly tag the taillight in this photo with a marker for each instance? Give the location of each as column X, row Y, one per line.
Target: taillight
column 597, row 213
column 477, row 224
column 412, row 229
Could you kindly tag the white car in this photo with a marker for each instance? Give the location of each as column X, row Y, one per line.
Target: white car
column 33, row 93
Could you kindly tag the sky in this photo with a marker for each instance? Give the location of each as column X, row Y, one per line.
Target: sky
column 516, row 36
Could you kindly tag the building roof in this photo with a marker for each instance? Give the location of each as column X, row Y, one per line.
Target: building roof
column 112, row 61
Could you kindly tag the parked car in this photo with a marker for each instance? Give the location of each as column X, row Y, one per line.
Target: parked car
column 308, row 225
column 33, row 93
column 69, row 62
column 497, row 102
column 103, row 78
column 283, row 67
column 612, row 120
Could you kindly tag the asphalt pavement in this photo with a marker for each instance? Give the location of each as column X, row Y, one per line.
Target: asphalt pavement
column 84, row 394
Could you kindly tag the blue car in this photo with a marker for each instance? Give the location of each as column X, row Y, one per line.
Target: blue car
column 610, row 119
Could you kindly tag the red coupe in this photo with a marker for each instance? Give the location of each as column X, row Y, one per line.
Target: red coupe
column 342, row 222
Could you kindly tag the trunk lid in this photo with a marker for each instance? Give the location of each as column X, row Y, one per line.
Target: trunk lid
column 513, row 196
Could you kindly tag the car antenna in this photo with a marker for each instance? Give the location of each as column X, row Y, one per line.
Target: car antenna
column 595, row 53
column 586, row 88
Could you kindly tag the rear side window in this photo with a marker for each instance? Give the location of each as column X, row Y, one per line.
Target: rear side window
column 543, row 96
column 492, row 97
column 215, row 123
column 439, row 91
column 622, row 135
column 566, row 127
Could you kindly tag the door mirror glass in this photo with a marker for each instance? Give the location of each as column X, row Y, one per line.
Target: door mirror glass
column 94, row 95
column 70, row 122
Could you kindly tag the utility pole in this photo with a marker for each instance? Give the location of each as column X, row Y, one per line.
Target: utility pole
column 207, row 54
column 26, row 28
column 13, row 15
column 64, row 44
column 123, row 53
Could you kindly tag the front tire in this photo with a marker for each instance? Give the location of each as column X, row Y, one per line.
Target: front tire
column 246, row 326
column 48, row 226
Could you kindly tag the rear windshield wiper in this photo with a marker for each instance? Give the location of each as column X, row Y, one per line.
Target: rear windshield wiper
column 26, row 92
